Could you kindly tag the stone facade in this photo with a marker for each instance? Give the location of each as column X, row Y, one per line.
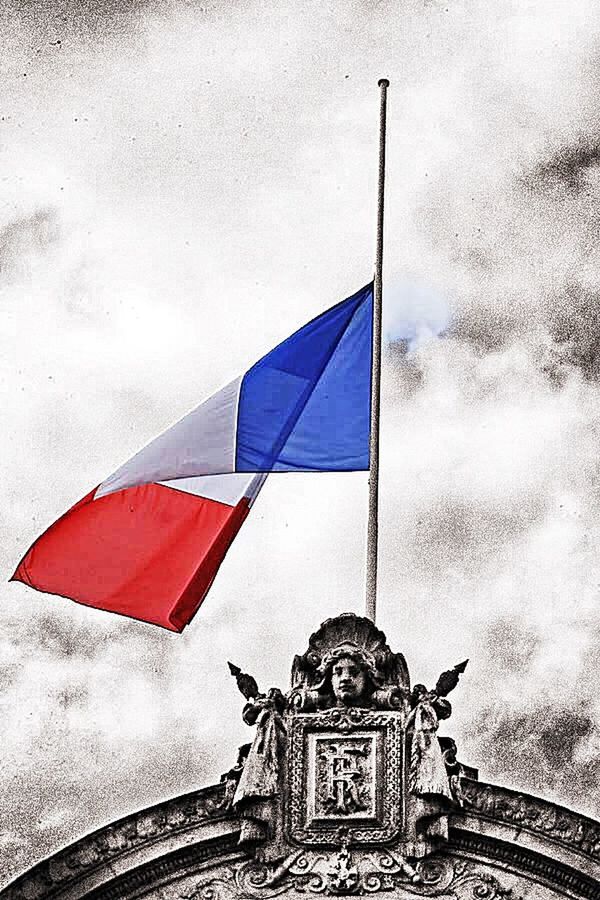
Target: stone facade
column 345, row 790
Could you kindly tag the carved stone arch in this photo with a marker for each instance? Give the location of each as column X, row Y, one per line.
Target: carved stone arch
column 344, row 795
column 503, row 845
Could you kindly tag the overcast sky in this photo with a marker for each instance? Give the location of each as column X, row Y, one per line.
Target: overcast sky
column 185, row 183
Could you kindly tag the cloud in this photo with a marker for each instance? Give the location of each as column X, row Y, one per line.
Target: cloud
column 24, row 238
column 186, row 184
column 570, row 167
column 62, row 19
column 548, row 737
column 575, row 326
column 554, row 749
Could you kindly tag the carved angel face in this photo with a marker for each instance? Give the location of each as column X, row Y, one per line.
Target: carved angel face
column 348, row 680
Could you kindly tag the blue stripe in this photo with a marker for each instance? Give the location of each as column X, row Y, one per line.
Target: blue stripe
column 305, row 406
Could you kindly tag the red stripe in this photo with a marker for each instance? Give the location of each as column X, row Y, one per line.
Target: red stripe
column 148, row 552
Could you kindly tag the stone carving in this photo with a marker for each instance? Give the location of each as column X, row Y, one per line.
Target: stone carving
column 353, row 873
column 231, row 778
column 350, row 746
column 428, row 773
column 346, row 789
column 348, row 663
column 343, row 772
column 258, row 793
column 427, row 767
column 103, row 847
column 356, row 758
column 217, row 887
column 455, row 770
column 343, row 876
column 571, row 830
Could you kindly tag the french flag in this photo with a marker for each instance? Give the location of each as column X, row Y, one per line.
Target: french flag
column 148, row 542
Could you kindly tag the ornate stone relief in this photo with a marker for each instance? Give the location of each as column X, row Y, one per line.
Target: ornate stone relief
column 351, row 750
column 573, row 831
column 354, row 874
column 345, row 768
column 121, row 837
column 346, row 789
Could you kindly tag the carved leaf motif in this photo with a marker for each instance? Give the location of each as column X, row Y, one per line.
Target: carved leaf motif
column 439, row 877
column 220, row 887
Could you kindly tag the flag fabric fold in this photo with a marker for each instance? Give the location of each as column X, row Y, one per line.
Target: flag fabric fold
column 148, row 542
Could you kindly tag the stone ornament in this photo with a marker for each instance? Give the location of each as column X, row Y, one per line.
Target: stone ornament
column 103, row 847
column 345, row 768
column 348, row 663
column 351, row 748
column 350, row 873
column 345, row 789
column 571, row 830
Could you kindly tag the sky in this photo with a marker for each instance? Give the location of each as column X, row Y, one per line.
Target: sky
column 183, row 184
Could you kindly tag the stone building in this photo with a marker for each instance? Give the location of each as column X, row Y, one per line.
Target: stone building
column 346, row 789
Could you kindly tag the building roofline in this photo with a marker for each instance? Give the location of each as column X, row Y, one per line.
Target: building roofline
column 145, row 837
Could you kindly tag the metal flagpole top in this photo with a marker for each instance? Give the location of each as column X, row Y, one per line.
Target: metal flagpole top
column 372, row 524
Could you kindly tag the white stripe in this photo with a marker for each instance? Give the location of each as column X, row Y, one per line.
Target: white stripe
column 202, row 443
column 227, row 489
column 235, row 419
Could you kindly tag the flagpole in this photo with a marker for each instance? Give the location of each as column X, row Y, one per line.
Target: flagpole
column 372, row 524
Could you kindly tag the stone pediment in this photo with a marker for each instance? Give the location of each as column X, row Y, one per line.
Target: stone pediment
column 346, row 789
column 188, row 847
column 349, row 757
